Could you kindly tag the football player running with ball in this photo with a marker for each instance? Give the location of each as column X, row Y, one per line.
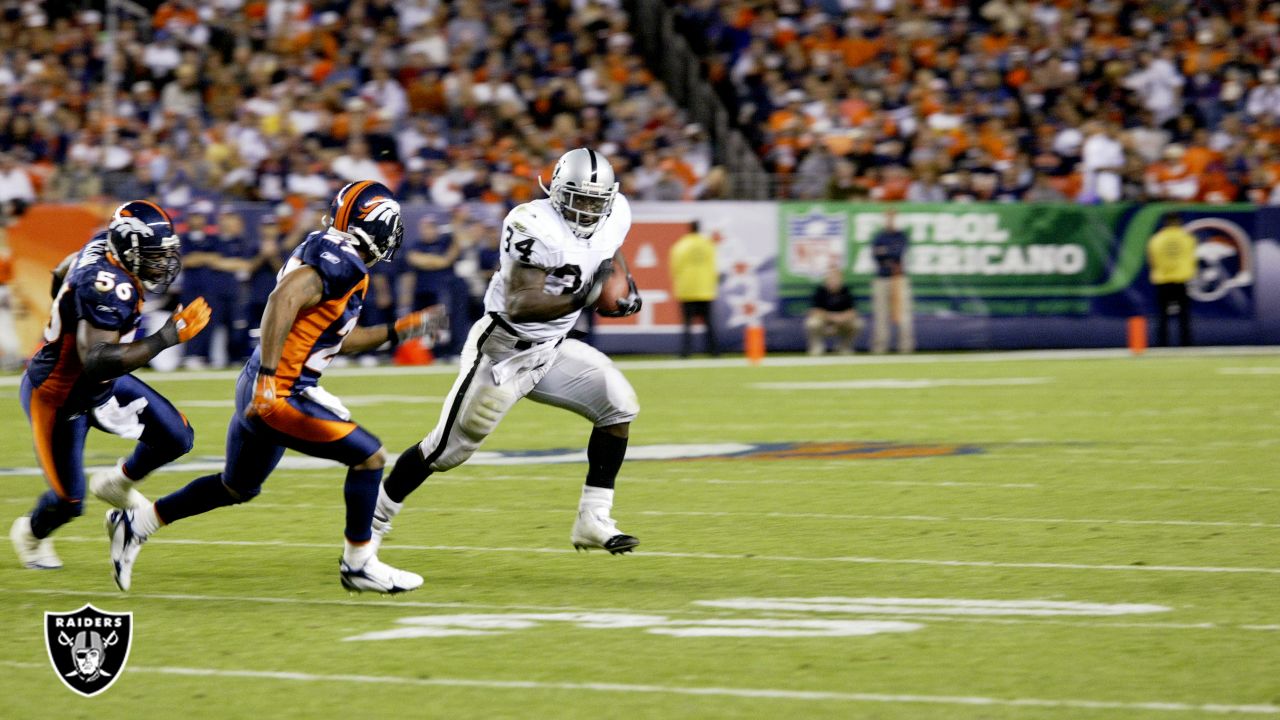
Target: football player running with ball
column 80, row 378
column 310, row 317
column 558, row 254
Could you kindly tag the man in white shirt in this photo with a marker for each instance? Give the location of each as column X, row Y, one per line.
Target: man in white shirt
column 355, row 164
column 1102, row 160
column 16, row 190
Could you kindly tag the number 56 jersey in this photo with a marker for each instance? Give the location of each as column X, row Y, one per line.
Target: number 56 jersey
column 100, row 292
column 535, row 234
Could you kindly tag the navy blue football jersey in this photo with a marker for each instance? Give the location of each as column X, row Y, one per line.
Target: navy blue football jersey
column 100, row 292
column 318, row 331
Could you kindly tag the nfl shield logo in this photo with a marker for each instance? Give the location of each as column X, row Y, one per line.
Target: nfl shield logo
column 88, row 647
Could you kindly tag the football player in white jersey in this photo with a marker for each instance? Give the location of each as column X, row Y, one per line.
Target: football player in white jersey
column 557, row 253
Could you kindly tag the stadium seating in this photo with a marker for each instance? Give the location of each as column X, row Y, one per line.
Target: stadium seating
column 269, row 100
column 1000, row 100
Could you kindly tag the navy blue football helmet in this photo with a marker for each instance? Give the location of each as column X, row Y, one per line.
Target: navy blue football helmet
column 142, row 240
column 367, row 212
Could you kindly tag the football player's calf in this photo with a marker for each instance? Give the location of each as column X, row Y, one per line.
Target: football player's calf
column 594, row 526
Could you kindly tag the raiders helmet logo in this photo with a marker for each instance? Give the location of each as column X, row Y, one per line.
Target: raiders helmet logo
column 88, row 647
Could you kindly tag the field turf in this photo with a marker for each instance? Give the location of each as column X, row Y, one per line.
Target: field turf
column 1070, row 536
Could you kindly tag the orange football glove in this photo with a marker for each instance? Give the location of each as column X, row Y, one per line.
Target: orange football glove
column 264, row 395
column 421, row 324
column 191, row 319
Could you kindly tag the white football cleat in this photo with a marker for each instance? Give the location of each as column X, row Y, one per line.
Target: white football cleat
column 113, row 487
column 125, row 546
column 377, row 576
column 33, row 552
column 594, row 528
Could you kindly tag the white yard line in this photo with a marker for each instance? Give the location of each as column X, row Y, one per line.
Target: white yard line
column 400, row 604
column 744, row 556
column 801, row 516
column 899, row 383
column 348, row 400
column 774, row 361
column 701, row 691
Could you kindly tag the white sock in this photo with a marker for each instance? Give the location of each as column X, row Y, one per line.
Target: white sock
column 356, row 555
column 145, row 520
column 596, row 497
column 389, row 507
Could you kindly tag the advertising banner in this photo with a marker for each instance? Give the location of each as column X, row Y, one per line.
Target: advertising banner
column 979, row 263
column 983, row 275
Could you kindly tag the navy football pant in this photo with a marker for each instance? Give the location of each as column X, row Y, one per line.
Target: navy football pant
column 165, row 435
column 254, row 448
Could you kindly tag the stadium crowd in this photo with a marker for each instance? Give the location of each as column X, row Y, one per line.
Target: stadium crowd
column 470, row 101
column 1085, row 100
column 287, row 99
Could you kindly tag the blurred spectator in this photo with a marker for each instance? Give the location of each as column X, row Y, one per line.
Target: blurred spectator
column 16, row 189
column 1171, row 253
column 11, row 354
column 214, row 265
column 695, row 280
column 1102, row 159
column 891, row 301
column 380, row 299
column 263, row 268
column 833, row 314
column 355, row 164
column 432, row 256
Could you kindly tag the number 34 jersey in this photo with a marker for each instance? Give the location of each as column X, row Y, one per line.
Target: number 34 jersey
column 100, row 292
column 535, row 234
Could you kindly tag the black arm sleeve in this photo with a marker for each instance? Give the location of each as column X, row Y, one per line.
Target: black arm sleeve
column 111, row 360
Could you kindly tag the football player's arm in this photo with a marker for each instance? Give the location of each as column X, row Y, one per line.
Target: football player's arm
column 199, row 259
column 420, row 260
column 421, row 323
column 528, row 301
column 104, row 356
column 226, row 263
column 60, row 273
column 296, row 291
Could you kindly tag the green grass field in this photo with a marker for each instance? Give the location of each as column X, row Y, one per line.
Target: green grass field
column 1097, row 536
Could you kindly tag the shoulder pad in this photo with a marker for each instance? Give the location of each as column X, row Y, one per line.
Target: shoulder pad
column 337, row 263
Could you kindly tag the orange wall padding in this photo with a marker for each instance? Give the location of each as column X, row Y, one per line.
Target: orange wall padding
column 38, row 241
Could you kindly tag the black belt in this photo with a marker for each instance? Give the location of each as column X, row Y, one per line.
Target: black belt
column 520, row 344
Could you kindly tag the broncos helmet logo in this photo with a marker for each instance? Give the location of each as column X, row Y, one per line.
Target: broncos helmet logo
column 132, row 228
column 380, row 209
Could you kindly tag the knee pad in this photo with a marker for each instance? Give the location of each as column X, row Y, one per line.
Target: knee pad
column 454, row 455
column 625, row 408
column 69, row 509
column 481, row 416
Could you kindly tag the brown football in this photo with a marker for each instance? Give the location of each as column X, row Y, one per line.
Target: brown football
column 615, row 288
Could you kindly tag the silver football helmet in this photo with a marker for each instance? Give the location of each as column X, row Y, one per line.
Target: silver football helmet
column 582, row 190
